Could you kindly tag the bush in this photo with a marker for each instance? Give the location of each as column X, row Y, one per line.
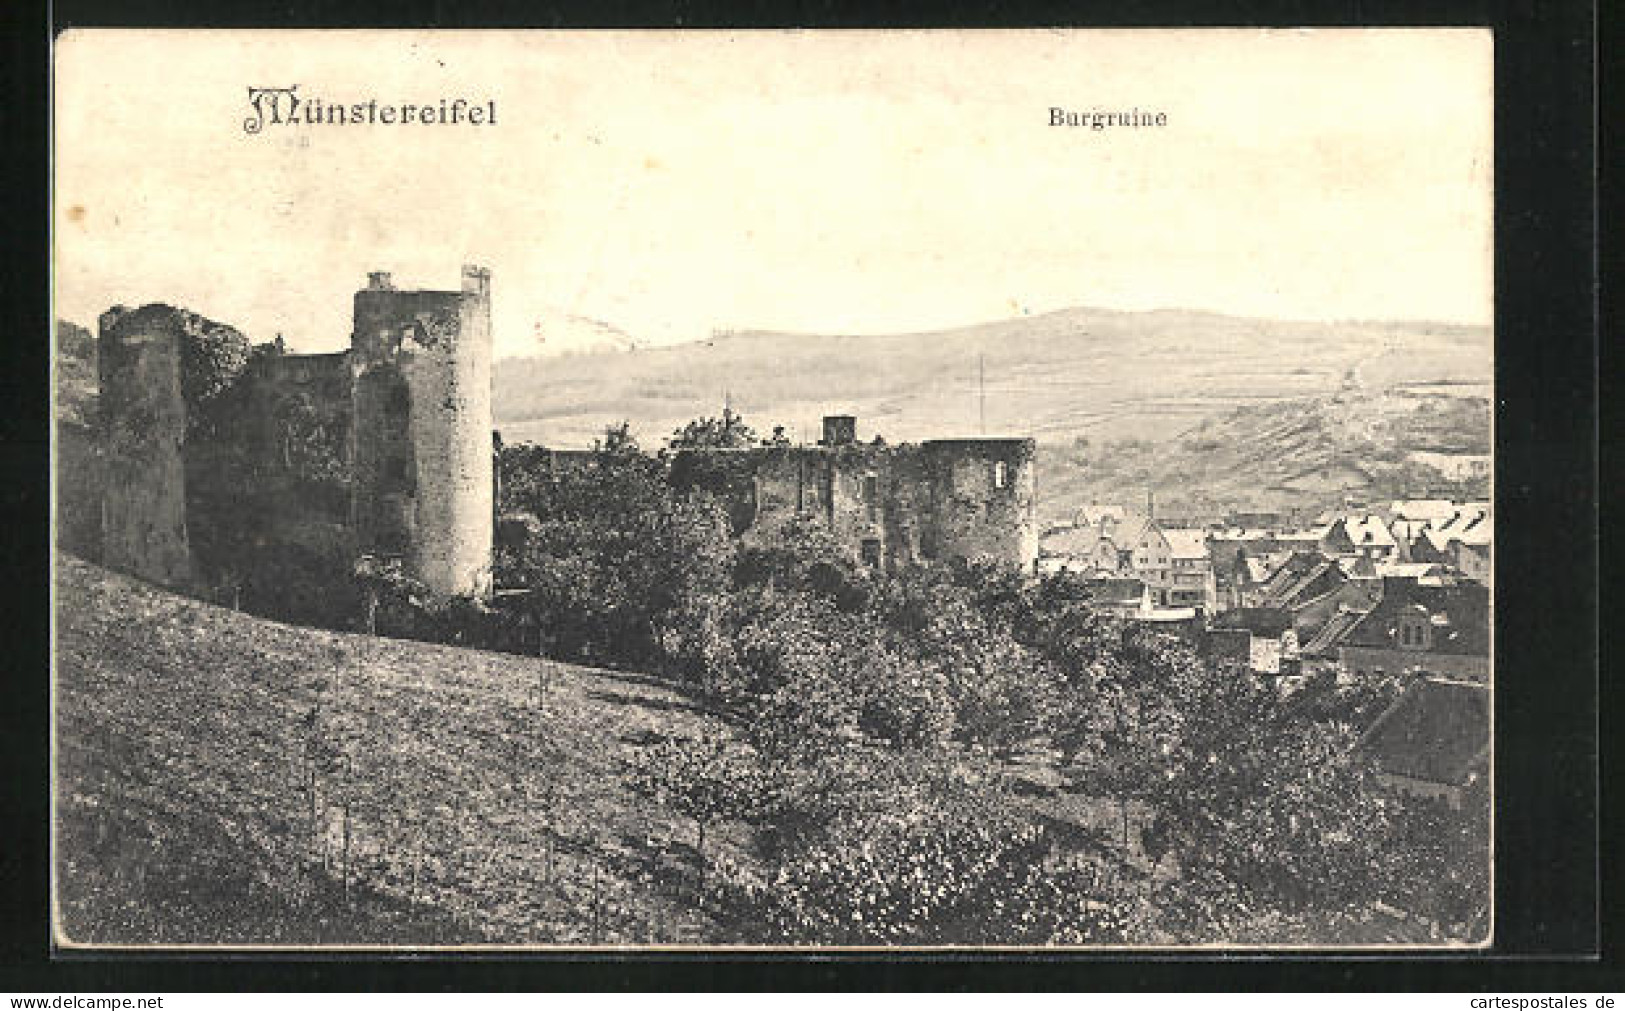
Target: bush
column 291, row 583
column 803, row 556
column 617, row 556
column 960, row 873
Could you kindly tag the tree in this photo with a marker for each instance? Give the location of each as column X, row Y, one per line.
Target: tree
column 704, row 779
column 1437, row 861
column 616, row 552
column 726, row 432
column 802, row 555
column 913, row 849
column 1264, row 810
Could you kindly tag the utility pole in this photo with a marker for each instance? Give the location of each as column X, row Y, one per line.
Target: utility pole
column 981, row 391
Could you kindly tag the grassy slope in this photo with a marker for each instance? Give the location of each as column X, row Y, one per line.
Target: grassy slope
column 183, row 817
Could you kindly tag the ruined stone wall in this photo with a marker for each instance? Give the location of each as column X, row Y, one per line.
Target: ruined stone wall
column 788, row 482
column 908, row 508
column 847, row 488
column 422, row 462
column 983, row 498
column 857, row 478
column 302, row 410
column 143, row 430
column 888, row 505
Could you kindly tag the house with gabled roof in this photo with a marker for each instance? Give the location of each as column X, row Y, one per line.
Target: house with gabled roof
column 1467, row 538
column 1425, row 573
column 1091, row 514
column 1304, row 575
column 1460, row 538
column 1083, row 549
column 1357, row 567
column 1323, row 647
column 1371, row 537
column 1191, row 578
column 1142, row 551
column 1434, row 741
column 1443, row 630
column 1334, row 538
column 1429, row 510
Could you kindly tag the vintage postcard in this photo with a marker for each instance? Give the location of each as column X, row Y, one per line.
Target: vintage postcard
column 775, row 489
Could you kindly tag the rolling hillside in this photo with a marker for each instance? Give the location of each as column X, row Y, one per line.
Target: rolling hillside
column 1056, row 376
column 1293, row 456
column 480, row 809
column 1147, row 381
column 460, row 797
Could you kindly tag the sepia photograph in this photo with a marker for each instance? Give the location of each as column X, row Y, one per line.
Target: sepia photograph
column 772, row 490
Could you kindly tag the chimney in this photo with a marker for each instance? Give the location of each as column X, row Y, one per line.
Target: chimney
column 840, row 429
column 476, row 280
column 379, row 280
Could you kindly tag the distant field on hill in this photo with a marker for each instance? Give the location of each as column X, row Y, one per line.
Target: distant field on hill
column 1301, row 455
column 1207, row 393
column 479, row 808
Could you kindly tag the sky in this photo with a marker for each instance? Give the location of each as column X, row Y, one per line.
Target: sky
column 664, row 186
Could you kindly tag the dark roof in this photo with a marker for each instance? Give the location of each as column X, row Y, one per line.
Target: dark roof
column 1305, row 577
column 1264, row 622
column 1460, row 615
column 1297, row 566
column 1116, row 589
column 1331, row 635
column 1437, row 731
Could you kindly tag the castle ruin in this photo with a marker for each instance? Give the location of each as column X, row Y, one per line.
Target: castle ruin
column 422, row 467
column 213, row 452
column 406, row 412
column 889, row 505
column 143, row 514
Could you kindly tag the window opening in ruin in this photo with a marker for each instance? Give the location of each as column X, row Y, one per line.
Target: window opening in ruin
column 395, row 473
column 397, row 402
column 871, row 494
column 871, row 551
column 1001, row 474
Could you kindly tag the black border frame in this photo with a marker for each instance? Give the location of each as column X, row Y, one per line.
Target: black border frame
column 1550, row 883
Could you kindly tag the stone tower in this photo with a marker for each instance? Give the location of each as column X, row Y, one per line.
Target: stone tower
column 983, row 499
column 422, row 463
column 143, row 418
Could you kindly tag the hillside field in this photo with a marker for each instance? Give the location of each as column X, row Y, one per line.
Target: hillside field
column 227, row 780
column 1209, row 411
column 485, row 792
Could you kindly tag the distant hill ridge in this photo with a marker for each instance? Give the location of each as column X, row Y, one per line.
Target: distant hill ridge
column 1054, row 375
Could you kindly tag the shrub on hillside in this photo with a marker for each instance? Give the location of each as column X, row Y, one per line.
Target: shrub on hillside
column 616, row 554
column 947, row 868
